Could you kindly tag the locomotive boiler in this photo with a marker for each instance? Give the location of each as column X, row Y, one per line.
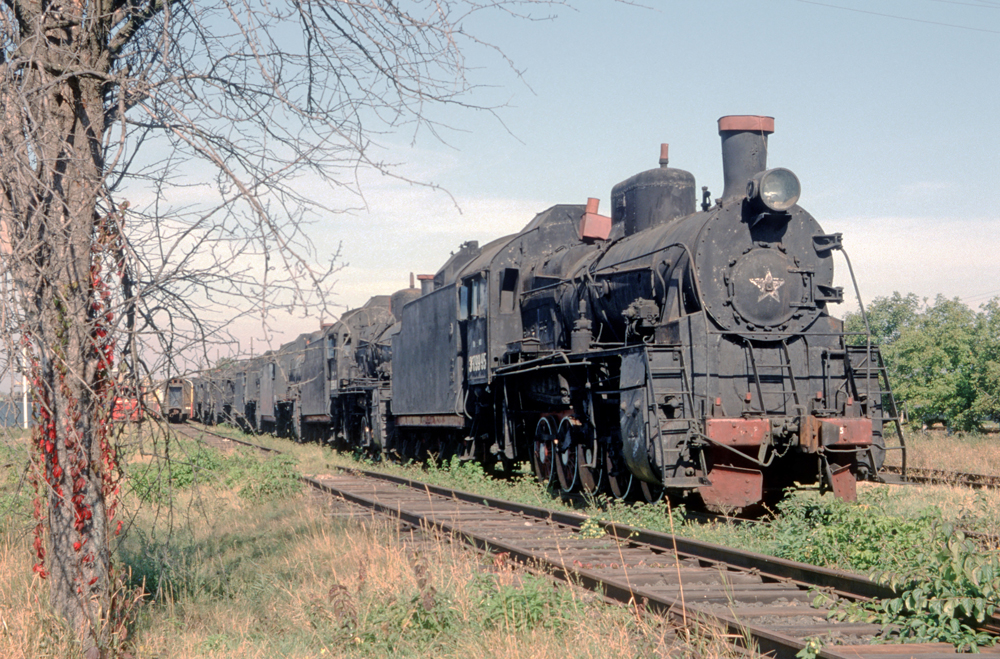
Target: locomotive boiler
column 661, row 349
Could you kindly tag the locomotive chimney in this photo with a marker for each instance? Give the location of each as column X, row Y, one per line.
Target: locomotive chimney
column 426, row 283
column 744, row 151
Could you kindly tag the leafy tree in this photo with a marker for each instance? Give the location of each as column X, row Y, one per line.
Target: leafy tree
column 933, row 364
column 986, row 360
column 887, row 318
column 943, row 359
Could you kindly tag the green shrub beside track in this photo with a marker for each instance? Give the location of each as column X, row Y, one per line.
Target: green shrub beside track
column 943, row 596
column 859, row 536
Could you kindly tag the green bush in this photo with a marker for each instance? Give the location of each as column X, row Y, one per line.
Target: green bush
column 860, row 536
column 532, row 603
column 428, row 621
column 941, row 597
column 16, row 494
column 263, row 479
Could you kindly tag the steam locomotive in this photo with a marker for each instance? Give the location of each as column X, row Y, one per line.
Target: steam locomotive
column 660, row 350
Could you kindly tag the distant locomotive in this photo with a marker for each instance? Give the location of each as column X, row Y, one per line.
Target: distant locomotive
column 178, row 400
column 657, row 350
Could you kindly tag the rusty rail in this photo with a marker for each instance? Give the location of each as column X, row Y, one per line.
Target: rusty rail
column 760, row 601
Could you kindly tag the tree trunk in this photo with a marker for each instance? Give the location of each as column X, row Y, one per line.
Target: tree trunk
column 58, row 244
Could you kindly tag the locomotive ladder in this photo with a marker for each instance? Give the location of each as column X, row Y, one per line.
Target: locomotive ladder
column 887, row 409
column 668, row 377
column 784, row 371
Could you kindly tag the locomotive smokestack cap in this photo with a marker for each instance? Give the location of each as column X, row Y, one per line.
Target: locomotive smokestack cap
column 744, row 151
column 426, row 284
column 594, row 226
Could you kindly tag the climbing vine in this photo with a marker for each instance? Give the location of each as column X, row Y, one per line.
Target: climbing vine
column 64, row 468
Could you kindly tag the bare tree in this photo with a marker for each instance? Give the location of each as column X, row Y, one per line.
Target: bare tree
column 157, row 159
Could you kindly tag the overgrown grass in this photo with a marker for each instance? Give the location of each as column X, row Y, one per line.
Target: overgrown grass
column 971, row 509
column 26, row 629
column 238, row 565
column 15, row 494
column 283, row 580
column 903, row 536
column 187, row 463
column 881, row 514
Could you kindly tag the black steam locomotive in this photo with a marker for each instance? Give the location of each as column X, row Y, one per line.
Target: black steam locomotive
column 660, row 349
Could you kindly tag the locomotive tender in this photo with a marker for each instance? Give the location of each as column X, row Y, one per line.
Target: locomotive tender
column 661, row 349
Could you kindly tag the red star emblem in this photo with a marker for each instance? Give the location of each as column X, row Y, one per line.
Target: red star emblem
column 768, row 286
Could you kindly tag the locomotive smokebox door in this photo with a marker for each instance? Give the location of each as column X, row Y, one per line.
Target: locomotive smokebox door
column 765, row 293
column 634, row 429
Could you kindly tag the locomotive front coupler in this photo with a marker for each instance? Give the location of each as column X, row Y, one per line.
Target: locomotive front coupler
column 785, row 427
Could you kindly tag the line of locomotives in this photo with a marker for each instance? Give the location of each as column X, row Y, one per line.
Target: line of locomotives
column 659, row 350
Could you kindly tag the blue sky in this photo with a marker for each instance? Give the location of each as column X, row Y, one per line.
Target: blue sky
column 890, row 121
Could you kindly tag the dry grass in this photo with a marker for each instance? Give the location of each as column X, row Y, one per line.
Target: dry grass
column 26, row 629
column 977, row 510
column 966, row 452
column 283, row 579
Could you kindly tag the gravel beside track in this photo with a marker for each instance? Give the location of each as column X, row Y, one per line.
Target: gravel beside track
column 751, row 596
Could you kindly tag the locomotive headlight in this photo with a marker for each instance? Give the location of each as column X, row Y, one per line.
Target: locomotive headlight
column 777, row 189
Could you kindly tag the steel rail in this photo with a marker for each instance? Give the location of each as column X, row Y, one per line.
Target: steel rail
column 922, row 476
column 744, row 580
column 844, row 583
column 680, row 578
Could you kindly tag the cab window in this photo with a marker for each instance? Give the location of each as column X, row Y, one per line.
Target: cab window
column 508, row 290
column 463, row 302
column 473, row 299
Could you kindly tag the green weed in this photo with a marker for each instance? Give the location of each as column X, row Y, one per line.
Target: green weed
column 426, row 621
column 255, row 477
column 263, row 479
column 941, row 597
column 535, row 602
column 16, row 494
column 859, row 536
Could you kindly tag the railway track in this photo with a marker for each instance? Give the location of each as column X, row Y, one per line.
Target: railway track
column 918, row 476
column 758, row 600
